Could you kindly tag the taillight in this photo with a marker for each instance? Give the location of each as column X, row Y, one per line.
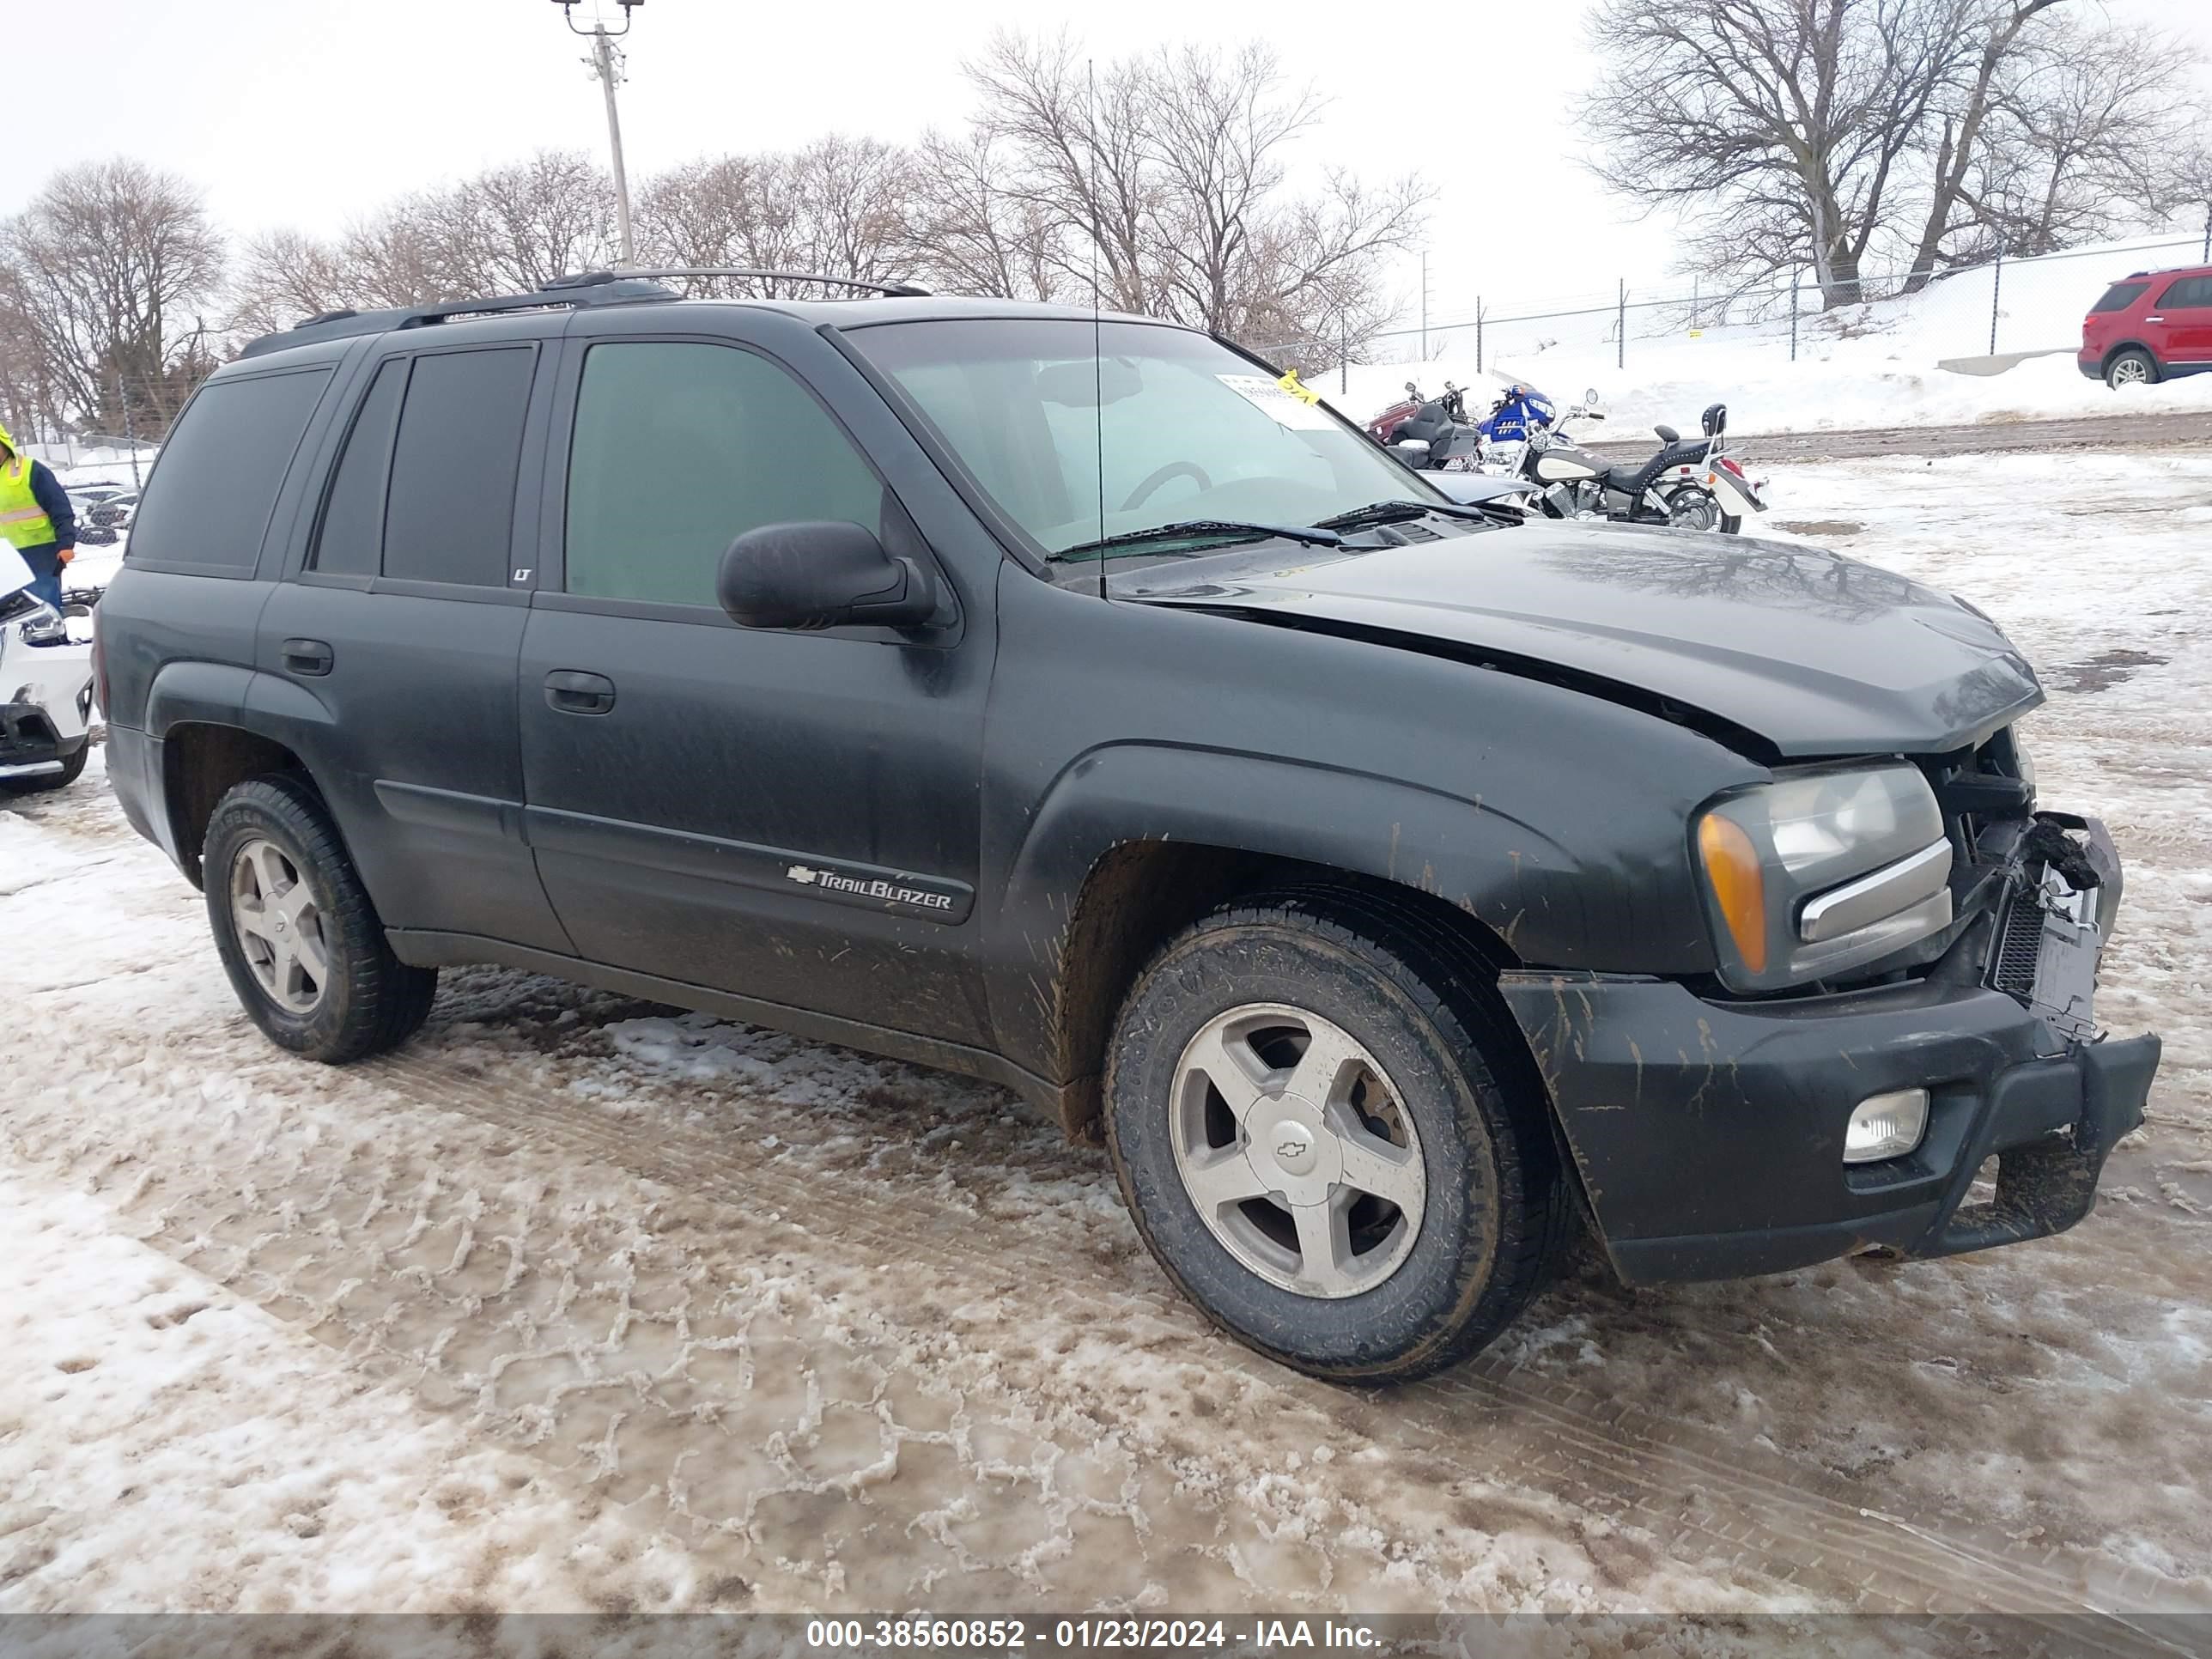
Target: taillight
column 98, row 665
column 1727, row 465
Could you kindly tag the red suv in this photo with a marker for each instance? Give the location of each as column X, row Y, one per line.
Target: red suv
column 2155, row 324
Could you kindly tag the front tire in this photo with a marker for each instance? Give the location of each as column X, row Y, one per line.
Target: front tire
column 302, row 944
column 1314, row 1141
column 2134, row 366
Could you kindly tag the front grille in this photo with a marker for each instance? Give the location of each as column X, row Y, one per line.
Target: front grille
column 2020, row 943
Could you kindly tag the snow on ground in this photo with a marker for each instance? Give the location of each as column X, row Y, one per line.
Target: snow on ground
column 1766, row 393
column 580, row 1302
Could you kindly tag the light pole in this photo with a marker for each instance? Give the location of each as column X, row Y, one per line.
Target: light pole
column 606, row 63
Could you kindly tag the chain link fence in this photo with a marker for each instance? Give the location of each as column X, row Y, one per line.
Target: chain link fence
column 1961, row 316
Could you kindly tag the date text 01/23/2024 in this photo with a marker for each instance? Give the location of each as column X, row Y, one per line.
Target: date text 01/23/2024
column 1018, row 1634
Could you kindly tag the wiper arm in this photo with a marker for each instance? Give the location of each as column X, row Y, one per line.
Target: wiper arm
column 1312, row 535
column 1400, row 512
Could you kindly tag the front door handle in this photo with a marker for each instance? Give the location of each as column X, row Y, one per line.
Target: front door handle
column 309, row 657
column 569, row 691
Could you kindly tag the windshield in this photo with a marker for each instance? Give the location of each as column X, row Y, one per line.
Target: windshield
column 1188, row 430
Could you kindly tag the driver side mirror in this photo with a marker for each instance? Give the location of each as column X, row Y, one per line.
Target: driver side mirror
column 821, row 573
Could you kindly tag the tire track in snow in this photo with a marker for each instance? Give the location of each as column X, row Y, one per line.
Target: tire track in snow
column 1601, row 1454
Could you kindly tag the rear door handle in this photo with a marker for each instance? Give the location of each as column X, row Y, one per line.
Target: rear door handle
column 572, row 692
column 2154, row 320
column 309, row 657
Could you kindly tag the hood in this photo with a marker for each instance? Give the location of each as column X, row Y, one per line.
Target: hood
column 1816, row 653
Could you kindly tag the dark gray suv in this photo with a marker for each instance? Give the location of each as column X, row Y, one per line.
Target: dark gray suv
column 1070, row 701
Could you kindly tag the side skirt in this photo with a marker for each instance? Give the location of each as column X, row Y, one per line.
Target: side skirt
column 423, row 948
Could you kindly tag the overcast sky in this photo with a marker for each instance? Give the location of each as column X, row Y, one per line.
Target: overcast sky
column 308, row 112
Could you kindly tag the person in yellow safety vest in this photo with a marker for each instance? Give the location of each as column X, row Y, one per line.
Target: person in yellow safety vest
column 36, row 519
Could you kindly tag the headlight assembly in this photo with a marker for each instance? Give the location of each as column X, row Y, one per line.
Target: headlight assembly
column 1824, row 870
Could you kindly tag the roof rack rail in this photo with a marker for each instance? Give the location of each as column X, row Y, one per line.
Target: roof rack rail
column 583, row 288
column 610, row 287
column 896, row 290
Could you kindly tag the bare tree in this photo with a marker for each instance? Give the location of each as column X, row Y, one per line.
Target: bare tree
column 515, row 228
column 2083, row 130
column 1079, row 159
column 1782, row 131
column 967, row 230
column 281, row 276
column 1821, row 132
column 839, row 206
column 2002, row 29
column 102, row 273
column 1162, row 179
column 730, row 210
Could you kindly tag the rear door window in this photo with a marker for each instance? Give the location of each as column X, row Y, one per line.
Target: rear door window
column 2188, row 294
column 208, row 504
column 350, row 542
column 450, row 511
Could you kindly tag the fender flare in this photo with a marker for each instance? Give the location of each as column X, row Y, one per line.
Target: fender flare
column 1518, row 882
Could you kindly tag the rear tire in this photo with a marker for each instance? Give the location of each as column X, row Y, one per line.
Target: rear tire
column 302, row 944
column 2134, row 366
column 1268, row 1210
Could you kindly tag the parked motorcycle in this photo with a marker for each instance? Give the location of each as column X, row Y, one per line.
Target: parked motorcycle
column 1692, row 485
column 1452, row 406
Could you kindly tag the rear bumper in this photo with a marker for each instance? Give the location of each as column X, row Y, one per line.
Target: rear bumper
column 134, row 772
column 2091, row 364
column 1710, row 1135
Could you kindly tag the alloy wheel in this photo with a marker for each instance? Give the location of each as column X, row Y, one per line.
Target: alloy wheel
column 1293, row 1145
column 280, row 926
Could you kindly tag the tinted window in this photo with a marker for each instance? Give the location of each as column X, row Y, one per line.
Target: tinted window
column 208, row 501
column 351, row 540
column 2120, row 296
column 2188, row 293
column 679, row 449
column 452, row 504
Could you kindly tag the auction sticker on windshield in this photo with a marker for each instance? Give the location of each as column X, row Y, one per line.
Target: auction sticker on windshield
column 1285, row 409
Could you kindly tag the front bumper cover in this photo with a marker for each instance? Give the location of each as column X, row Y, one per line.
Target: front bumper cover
column 1709, row 1134
column 31, row 744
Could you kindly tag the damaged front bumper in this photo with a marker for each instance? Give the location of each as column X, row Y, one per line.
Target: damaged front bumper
column 1709, row 1134
column 33, row 743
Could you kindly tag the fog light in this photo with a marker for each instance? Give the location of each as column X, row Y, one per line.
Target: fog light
column 1886, row 1126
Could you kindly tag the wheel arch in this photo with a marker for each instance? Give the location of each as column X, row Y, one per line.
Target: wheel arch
column 1134, row 845
column 2105, row 363
column 218, row 724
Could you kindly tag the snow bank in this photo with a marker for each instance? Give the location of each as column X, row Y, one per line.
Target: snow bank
column 1865, row 365
column 1838, row 393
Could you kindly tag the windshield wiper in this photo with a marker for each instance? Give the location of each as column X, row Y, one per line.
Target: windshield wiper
column 1312, row 535
column 1400, row 512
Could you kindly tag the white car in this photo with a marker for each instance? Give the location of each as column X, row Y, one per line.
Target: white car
column 45, row 687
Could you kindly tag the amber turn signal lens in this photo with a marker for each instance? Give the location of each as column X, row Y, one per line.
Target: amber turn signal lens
column 1732, row 866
